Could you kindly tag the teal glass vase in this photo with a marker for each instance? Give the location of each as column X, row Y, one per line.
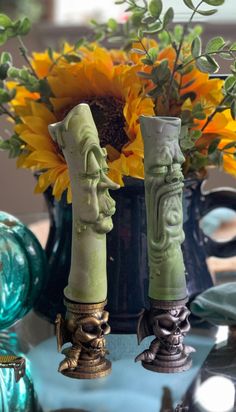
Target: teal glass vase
column 23, row 270
column 20, row 396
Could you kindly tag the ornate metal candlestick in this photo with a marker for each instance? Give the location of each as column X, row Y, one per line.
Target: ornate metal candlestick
column 85, row 325
column 167, row 317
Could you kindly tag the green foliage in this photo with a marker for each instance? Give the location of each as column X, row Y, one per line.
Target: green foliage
column 9, row 28
column 164, row 82
column 12, row 145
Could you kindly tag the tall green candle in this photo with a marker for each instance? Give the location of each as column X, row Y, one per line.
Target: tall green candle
column 163, row 194
column 92, row 205
column 167, row 317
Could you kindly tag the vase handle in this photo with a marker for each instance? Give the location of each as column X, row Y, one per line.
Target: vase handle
column 213, row 199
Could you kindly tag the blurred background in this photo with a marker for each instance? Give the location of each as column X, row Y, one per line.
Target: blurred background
column 53, row 22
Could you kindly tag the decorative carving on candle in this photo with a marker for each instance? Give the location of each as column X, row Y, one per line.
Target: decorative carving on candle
column 167, row 318
column 92, row 208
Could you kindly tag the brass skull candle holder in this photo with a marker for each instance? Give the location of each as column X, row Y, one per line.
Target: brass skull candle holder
column 85, row 325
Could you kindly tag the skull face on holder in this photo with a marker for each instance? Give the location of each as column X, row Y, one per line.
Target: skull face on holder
column 171, row 327
column 166, row 353
column 85, row 327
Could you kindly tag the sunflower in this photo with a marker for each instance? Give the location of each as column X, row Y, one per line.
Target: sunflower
column 115, row 95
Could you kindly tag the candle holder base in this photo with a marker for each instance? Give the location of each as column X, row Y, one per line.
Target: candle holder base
column 169, row 365
column 168, row 321
column 89, row 369
column 85, row 326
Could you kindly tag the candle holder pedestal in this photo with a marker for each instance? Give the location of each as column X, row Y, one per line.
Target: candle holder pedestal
column 168, row 321
column 85, row 326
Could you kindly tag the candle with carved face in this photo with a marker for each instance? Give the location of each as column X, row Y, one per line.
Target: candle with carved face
column 167, row 317
column 163, row 194
column 92, row 205
column 85, row 324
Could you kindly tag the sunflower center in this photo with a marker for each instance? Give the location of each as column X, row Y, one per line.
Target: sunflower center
column 109, row 119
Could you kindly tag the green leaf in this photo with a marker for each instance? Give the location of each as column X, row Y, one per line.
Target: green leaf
column 233, row 110
column 44, row 88
column 155, row 8
column 213, row 146
column 233, row 46
column 50, row 53
column 214, row 2
column 153, row 53
column 5, row 21
column 161, row 73
column 168, row 17
column 189, row 4
column 145, row 75
column 12, row 145
column 207, row 12
column 153, row 28
column 186, row 70
column 112, row 24
column 196, row 47
column 72, row 58
column 120, row 1
column 148, row 20
column 178, row 32
column 187, row 84
column 14, row 73
column 140, row 33
column 207, row 64
column 3, row 38
column 200, row 115
column 80, row 43
column 4, row 70
column 138, row 51
column 5, row 96
column 229, row 83
column 147, row 61
column 137, row 18
column 157, row 91
column 101, row 35
column 6, row 58
column 226, row 55
column 229, row 145
column 215, row 44
column 25, row 27
column 196, row 134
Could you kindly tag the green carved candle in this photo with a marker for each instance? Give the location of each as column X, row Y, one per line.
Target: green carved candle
column 163, row 194
column 92, row 205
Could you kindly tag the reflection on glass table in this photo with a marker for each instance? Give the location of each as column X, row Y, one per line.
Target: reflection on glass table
column 214, row 387
column 129, row 387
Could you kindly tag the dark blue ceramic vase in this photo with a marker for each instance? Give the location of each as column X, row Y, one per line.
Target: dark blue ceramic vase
column 127, row 251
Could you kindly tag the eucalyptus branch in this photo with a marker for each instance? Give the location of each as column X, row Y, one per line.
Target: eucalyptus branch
column 4, row 110
column 23, row 50
column 218, row 52
column 144, row 48
column 186, row 26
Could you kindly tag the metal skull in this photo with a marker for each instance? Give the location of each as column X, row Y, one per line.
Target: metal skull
column 92, row 328
column 171, row 327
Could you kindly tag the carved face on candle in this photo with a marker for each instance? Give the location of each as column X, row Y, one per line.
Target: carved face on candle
column 96, row 206
column 87, row 167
